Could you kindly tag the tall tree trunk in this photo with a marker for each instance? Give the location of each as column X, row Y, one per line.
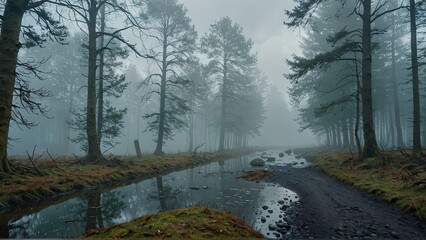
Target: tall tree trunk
column 328, row 137
column 9, row 47
column 345, row 134
column 162, row 120
column 223, row 109
column 339, row 136
column 400, row 142
column 101, row 79
column 370, row 143
column 94, row 152
column 333, row 129
column 358, row 95
column 417, row 148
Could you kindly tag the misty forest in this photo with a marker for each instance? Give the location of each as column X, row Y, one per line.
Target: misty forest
column 239, row 119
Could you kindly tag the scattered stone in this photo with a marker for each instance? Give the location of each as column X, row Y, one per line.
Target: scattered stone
column 281, row 155
column 270, row 211
column 257, row 162
column 263, row 219
column 272, row 227
column 194, row 188
column 281, row 202
column 205, row 187
column 265, row 207
column 288, row 152
column 270, row 159
column 281, row 224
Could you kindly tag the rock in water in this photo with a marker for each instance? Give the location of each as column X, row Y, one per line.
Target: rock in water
column 281, row 155
column 270, row 159
column 257, row 162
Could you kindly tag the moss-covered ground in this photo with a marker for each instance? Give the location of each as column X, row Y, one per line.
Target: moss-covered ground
column 70, row 175
column 393, row 176
column 192, row 223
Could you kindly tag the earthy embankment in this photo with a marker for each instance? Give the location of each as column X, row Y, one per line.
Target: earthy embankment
column 64, row 177
column 192, row 223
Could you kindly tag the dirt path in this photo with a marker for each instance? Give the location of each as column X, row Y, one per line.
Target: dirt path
column 332, row 209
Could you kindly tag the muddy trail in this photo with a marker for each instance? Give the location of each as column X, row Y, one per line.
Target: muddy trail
column 332, row 209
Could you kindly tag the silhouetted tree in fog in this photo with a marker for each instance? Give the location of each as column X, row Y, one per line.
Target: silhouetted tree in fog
column 229, row 54
column 170, row 28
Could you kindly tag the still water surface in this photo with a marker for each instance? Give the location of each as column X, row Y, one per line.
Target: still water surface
column 214, row 185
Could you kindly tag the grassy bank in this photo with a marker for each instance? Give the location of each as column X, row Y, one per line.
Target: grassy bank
column 193, row 223
column 69, row 175
column 393, row 176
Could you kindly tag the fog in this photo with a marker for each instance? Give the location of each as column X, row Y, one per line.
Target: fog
column 261, row 21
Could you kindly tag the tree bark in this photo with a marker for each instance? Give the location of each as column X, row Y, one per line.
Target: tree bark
column 223, row 109
column 162, row 120
column 370, row 143
column 94, row 152
column 101, row 79
column 417, row 149
column 9, row 47
column 345, row 134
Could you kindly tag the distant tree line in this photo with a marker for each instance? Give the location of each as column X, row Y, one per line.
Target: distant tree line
column 85, row 87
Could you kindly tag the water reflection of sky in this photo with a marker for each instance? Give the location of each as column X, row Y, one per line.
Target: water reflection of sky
column 215, row 185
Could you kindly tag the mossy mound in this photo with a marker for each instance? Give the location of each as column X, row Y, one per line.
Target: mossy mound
column 194, row 223
column 257, row 175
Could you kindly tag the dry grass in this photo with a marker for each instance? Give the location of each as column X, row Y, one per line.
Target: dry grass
column 393, row 176
column 68, row 175
column 192, row 223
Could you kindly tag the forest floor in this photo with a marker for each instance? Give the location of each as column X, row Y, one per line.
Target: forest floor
column 56, row 178
column 383, row 197
column 192, row 223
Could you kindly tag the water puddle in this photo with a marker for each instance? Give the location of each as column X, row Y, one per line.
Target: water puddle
column 262, row 205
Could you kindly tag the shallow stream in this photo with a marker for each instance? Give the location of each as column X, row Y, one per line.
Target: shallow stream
column 262, row 205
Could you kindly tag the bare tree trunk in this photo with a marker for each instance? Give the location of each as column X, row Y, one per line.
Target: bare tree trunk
column 417, row 148
column 358, row 94
column 101, row 79
column 162, row 120
column 94, row 151
column 223, row 109
column 9, row 47
column 328, row 137
column 344, row 125
column 370, row 143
